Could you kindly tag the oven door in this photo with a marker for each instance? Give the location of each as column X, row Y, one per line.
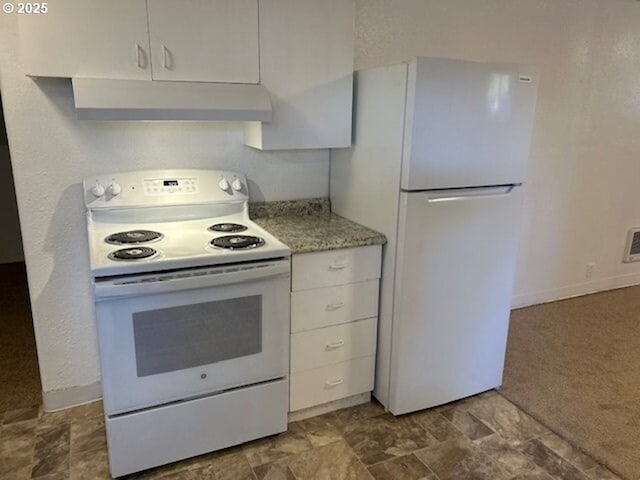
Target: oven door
column 173, row 336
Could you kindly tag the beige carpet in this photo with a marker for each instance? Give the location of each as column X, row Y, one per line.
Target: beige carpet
column 575, row 366
column 19, row 374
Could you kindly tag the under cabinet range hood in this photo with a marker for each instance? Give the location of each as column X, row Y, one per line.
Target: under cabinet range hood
column 106, row 99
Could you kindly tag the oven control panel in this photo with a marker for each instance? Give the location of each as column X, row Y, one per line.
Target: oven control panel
column 164, row 187
column 161, row 186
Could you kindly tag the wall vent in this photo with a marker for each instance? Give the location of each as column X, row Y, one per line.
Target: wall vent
column 632, row 252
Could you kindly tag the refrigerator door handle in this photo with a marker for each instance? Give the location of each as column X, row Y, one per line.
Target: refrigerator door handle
column 469, row 193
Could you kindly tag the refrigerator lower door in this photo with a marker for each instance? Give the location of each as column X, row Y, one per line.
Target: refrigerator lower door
column 454, row 281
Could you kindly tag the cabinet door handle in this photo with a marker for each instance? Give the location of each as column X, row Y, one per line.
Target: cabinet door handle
column 334, row 383
column 337, row 266
column 165, row 55
column 334, row 306
column 334, row 345
column 138, row 55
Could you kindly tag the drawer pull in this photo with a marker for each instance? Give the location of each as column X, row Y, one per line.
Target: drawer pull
column 334, row 345
column 333, row 383
column 334, row 306
column 337, row 266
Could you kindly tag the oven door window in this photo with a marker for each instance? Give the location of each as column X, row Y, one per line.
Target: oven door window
column 177, row 338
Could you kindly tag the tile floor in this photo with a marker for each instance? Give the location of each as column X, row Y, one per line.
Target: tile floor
column 483, row 437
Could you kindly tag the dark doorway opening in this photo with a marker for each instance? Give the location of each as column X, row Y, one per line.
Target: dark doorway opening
column 20, row 385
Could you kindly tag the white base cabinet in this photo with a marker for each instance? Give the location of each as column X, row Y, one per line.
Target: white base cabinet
column 334, row 308
column 321, row 307
column 329, row 345
column 331, row 382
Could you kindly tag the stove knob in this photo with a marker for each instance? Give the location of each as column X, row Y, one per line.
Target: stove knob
column 97, row 190
column 224, row 184
column 236, row 185
column 114, row 189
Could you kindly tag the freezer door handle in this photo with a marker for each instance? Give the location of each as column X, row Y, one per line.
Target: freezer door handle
column 469, row 193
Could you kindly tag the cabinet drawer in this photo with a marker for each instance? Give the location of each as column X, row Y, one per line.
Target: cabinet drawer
column 326, row 384
column 328, row 306
column 335, row 267
column 326, row 346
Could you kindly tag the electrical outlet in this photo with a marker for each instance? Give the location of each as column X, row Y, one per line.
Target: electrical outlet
column 589, row 270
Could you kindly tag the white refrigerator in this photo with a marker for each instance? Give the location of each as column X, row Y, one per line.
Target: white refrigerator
column 439, row 156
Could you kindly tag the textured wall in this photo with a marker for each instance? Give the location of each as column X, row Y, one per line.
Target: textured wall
column 52, row 152
column 582, row 192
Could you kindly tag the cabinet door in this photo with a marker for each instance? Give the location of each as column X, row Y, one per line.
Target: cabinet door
column 204, row 40
column 87, row 38
column 306, row 63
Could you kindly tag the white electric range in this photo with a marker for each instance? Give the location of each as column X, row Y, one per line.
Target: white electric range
column 192, row 310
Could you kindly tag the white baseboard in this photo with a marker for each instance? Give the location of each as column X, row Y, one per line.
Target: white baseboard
column 603, row 284
column 71, row 397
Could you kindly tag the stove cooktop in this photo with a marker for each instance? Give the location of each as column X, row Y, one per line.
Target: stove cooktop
column 181, row 244
column 158, row 220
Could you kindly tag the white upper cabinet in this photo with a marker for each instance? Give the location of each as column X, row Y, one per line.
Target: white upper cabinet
column 191, row 40
column 306, row 64
column 87, row 38
column 204, row 40
column 300, row 51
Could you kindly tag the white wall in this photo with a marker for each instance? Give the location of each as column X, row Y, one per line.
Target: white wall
column 52, row 152
column 583, row 191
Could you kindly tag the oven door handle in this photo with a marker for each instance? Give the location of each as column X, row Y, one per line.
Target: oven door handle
column 188, row 280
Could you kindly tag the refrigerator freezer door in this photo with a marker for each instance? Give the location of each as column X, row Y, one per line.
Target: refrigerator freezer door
column 454, row 281
column 467, row 123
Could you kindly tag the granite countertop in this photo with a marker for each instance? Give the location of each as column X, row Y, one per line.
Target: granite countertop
column 310, row 226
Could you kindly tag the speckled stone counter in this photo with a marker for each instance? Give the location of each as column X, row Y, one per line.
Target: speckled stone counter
column 309, row 226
